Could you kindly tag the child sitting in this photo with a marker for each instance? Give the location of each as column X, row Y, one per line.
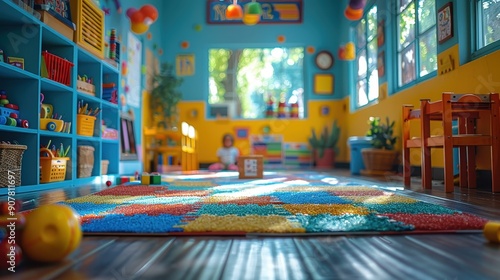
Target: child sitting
column 227, row 154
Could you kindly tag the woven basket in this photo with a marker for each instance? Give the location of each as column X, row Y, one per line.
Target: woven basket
column 10, row 164
column 85, row 161
column 379, row 159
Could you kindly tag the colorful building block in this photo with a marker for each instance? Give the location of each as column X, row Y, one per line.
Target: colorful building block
column 145, row 179
column 155, row 179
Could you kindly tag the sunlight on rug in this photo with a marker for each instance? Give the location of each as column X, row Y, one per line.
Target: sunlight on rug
column 281, row 203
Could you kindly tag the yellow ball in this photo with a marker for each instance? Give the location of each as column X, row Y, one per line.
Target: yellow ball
column 51, row 233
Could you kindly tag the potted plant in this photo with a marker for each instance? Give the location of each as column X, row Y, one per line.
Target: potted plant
column 325, row 146
column 381, row 157
column 165, row 95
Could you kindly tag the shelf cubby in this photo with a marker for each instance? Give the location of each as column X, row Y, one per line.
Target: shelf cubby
column 96, row 168
column 30, row 155
column 23, row 93
column 110, row 152
column 22, row 41
column 89, row 67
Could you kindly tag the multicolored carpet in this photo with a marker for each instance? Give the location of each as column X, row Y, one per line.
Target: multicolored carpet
column 281, row 203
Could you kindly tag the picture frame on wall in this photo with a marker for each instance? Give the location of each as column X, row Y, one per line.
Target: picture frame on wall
column 445, row 23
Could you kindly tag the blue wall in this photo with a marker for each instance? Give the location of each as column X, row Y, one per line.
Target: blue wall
column 121, row 23
column 320, row 29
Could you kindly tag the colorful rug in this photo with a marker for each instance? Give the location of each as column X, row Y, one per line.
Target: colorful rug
column 281, row 203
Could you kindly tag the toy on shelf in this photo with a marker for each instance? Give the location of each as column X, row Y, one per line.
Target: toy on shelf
column 52, row 122
column 85, row 85
column 16, row 61
column 282, row 108
column 270, row 108
column 9, row 112
column 108, row 133
column 56, row 68
column 110, row 92
column 294, row 110
column 53, row 163
column 85, row 119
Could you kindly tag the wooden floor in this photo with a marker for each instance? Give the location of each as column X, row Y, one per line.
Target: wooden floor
column 427, row 256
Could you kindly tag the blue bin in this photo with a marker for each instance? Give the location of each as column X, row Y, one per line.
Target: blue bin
column 358, row 143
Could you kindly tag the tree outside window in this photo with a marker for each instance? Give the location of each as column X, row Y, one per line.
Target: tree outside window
column 366, row 49
column 488, row 15
column 246, row 80
column 417, row 42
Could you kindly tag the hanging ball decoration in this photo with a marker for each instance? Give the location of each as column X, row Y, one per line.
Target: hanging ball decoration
column 160, row 51
column 150, row 13
column 144, row 69
column 310, row 49
column 251, row 19
column 253, row 8
column 234, row 11
column 141, row 19
column 281, row 39
column 139, row 28
column 130, row 12
column 185, row 44
column 357, row 4
column 149, row 36
column 198, row 27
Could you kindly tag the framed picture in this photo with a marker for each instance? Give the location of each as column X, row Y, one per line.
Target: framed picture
column 323, row 83
column 381, row 64
column 241, row 132
column 381, row 33
column 445, row 23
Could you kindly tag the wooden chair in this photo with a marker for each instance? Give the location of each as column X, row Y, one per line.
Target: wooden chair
column 467, row 109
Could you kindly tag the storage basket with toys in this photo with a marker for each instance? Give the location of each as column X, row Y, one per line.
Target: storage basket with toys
column 85, row 119
column 85, row 161
column 52, row 167
column 11, row 156
column 56, row 68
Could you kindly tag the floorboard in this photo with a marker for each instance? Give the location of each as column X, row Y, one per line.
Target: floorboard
column 417, row 256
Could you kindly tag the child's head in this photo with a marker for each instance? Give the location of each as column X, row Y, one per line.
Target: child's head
column 227, row 140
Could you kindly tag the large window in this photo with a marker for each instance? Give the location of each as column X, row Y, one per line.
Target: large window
column 488, row 18
column 367, row 78
column 417, row 43
column 242, row 82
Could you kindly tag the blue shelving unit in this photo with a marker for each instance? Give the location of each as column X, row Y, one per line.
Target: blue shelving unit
column 25, row 88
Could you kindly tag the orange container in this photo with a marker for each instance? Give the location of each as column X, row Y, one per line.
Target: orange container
column 85, row 125
column 52, row 169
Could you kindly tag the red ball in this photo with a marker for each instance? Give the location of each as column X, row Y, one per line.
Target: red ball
column 108, row 183
column 10, row 255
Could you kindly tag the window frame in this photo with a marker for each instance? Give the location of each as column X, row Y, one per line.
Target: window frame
column 416, row 43
column 369, row 70
column 476, row 32
column 305, row 97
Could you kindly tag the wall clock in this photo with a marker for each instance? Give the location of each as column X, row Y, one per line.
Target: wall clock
column 324, row 60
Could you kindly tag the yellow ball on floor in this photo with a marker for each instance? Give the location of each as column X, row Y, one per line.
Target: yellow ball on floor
column 51, row 233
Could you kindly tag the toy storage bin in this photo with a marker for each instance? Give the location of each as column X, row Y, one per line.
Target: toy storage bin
column 52, row 169
column 85, row 161
column 56, row 68
column 85, row 125
column 10, row 164
column 89, row 20
column 104, row 166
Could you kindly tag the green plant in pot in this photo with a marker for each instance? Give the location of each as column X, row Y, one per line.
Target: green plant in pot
column 382, row 156
column 165, row 95
column 325, row 145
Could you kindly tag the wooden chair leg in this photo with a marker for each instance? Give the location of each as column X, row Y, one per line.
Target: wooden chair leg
column 495, row 143
column 425, row 133
column 471, row 156
column 448, row 145
column 462, row 157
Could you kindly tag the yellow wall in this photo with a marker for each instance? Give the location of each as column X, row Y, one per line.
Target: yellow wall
column 479, row 76
column 293, row 130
